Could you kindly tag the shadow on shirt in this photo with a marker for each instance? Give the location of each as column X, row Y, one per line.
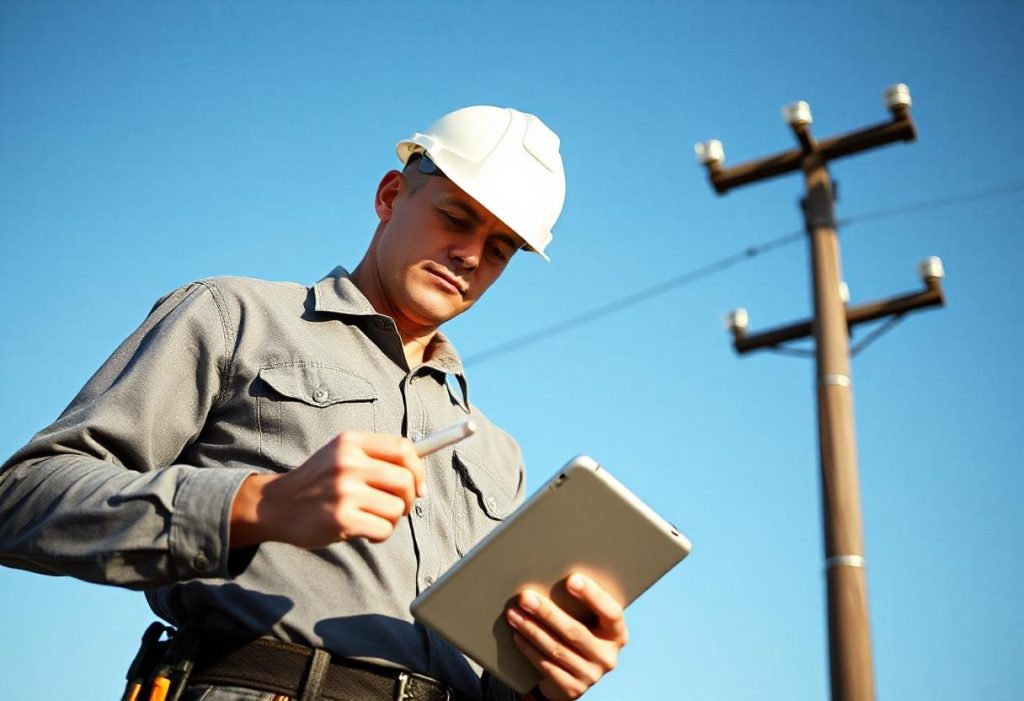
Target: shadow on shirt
column 377, row 638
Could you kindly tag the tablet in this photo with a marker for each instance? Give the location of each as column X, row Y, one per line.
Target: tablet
column 582, row 520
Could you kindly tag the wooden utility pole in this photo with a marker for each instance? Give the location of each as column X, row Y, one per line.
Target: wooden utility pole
column 848, row 620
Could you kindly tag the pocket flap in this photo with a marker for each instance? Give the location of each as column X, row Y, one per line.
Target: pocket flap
column 318, row 385
column 496, row 491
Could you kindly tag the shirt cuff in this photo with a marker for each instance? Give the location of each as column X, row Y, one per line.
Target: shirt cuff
column 200, row 522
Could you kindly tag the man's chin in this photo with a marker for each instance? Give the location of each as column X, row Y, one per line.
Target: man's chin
column 437, row 310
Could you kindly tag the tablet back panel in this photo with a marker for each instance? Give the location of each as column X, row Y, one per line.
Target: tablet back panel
column 582, row 520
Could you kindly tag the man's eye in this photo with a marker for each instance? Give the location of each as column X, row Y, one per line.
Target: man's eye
column 453, row 220
column 501, row 252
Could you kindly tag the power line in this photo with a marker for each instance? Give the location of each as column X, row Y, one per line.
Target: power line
column 938, row 203
column 632, row 299
column 717, row 266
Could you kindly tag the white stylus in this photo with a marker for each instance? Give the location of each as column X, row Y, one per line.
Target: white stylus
column 444, row 438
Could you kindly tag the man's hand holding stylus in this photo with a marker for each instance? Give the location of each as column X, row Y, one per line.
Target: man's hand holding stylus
column 357, row 486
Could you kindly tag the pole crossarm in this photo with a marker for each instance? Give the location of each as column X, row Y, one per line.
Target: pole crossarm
column 931, row 296
column 900, row 128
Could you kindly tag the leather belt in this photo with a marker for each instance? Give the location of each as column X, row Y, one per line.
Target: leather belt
column 287, row 669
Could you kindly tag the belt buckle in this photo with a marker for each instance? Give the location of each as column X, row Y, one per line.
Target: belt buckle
column 402, row 692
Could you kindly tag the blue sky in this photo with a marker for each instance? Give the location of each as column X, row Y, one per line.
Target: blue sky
column 147, row 144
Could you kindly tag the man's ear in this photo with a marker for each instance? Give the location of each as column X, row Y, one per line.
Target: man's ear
column 387, row 191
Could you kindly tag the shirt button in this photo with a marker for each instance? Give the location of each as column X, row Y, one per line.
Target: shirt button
column 380, row 323
column 419, row 510
column 320, row 395
column 201, row 562
column 428, row 580
column 491, row 503
column 416, row 435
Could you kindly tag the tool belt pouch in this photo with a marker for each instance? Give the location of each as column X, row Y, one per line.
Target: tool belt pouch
column 162, row 663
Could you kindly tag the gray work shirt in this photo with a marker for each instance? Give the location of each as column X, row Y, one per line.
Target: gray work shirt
column 133, row 484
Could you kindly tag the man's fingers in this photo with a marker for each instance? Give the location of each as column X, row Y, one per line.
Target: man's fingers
column 594, row 648
column 383, row 504
column 567, row 686
column 388, row 477
column 564, row 653
column 609, row 612
column 363, row 524
column 569, row 629
column 395, row 450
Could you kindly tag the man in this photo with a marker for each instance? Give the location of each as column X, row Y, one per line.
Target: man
column 245, row 455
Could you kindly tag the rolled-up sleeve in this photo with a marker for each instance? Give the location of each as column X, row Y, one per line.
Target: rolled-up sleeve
column 100, row 495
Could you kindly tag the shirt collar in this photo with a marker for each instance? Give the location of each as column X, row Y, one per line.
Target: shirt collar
column 337, row 294
column 445, row 359
column 443, row 356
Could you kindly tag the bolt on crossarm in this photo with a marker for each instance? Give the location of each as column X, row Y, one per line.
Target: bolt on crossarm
column 848, row 621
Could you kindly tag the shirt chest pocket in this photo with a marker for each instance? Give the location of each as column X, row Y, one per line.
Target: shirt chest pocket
column 302, row 406
column 492, row 488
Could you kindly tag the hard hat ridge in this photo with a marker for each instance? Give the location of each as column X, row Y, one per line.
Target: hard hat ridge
column 506, row 160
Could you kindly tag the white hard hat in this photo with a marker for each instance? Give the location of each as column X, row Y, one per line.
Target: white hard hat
column 506, row 160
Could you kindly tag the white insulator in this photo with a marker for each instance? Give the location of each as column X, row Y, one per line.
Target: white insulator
column 931, row 269
column 897, row 97
column 737, row 320
column 710, row 152
column 797, row 114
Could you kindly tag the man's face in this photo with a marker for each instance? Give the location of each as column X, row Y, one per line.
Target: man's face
column 437, row 250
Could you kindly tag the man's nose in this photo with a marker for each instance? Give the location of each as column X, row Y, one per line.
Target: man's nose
column 466, row 254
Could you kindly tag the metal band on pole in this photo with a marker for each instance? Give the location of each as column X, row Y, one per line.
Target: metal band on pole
column 845, row 561
column 838, row 380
